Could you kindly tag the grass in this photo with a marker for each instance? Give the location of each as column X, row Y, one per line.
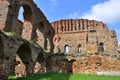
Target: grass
column 62, row 76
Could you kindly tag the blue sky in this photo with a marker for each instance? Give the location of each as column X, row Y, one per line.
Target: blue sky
column 107, row 11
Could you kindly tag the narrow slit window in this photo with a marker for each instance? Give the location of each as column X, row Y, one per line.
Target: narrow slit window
column 79, row 48
column 66, row 48
column 101, row 49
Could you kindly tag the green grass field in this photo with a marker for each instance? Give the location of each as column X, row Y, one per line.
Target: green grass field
column 62, row 76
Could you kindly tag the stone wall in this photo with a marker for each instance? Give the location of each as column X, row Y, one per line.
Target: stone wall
column 96, row 63
column 58, row 63
column 20, row 51
column 83, row 63
column 83, row 36
column 35, row 26
column 18, row 54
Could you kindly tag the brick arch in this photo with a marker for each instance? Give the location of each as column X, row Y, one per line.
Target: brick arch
column 45, row 35
column 40, row 63
column 28, row 22
column 40, row 30
column 11, row 18
column 25, row 55
column 31, row 20
column 24, row 52
column 28, row 13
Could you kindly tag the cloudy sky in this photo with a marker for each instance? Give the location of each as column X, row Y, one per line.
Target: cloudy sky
column 107, row 11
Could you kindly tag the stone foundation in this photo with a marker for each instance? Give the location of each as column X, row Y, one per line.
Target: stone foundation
column 82, row 63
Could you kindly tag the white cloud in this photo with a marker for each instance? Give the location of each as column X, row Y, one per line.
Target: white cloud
column 53, row 2
column 108, row 12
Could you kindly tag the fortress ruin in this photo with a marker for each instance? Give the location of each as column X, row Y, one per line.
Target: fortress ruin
column 83, row 36
column 36, row 45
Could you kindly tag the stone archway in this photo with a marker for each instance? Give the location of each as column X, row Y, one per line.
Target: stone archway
column 24, row 60
column 12, row 23
column 41, row 38
column 40, row 63
column 27, row 22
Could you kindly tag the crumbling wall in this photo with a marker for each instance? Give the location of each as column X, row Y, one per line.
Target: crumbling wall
column 35, row 26
column 17, row 54
column 84, row 63
column 96, row 63
column 58, row 63
column 87, row 33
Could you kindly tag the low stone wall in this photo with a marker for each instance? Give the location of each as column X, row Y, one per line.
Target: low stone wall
column 58, row 63
column 82, row 64
column 96, row 63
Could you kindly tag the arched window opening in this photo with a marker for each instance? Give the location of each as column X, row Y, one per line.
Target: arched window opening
column 25, row 18
column 79, row 48
column 25, row 57
column 28, row 15
column 20, row 16
column 24, row 52
column 66, row 48
column 25, row 13
column 101, row 49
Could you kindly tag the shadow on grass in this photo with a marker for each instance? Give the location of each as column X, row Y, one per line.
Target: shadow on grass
column 46, row 76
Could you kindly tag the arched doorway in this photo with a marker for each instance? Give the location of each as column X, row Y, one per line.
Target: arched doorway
column 24, row 54
column 40, row 63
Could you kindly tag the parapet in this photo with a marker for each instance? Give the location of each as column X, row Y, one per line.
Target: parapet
column 74, row 25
